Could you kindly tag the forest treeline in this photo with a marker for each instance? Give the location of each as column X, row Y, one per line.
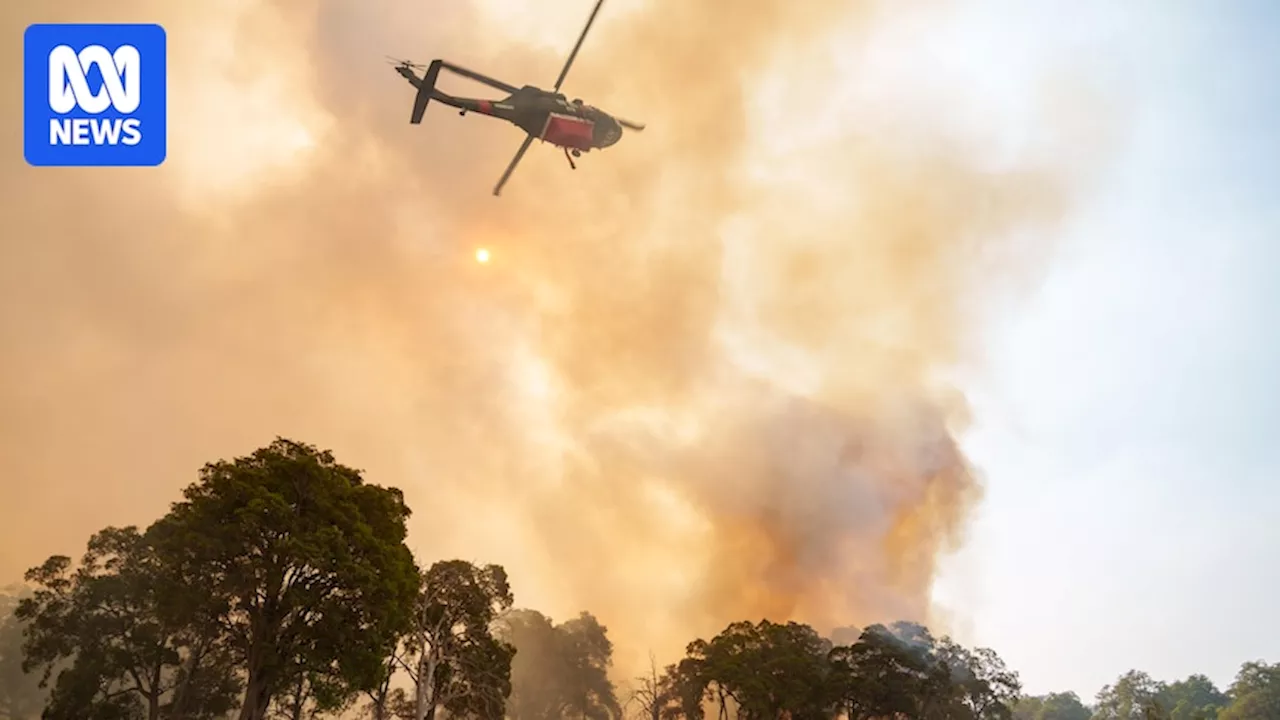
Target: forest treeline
column 281, row 586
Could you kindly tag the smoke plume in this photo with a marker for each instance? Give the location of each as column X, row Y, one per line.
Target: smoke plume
column 703, row 377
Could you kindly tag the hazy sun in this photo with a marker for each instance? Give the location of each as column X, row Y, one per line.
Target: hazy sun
column 482, row 255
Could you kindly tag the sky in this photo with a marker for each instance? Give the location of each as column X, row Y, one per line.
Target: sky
column 728, row 368
column 1127, row 422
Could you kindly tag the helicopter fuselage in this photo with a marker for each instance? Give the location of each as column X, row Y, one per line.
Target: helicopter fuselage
column 550, row 117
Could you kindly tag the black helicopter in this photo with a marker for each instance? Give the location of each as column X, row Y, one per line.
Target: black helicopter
column 544, row 115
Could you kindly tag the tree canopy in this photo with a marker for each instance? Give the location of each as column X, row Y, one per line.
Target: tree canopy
column 281, row 586
column 1054, row 706
column 305, row 565
column 450, row 651
column 1255, row 694
column 127, row 634
column 560, row 670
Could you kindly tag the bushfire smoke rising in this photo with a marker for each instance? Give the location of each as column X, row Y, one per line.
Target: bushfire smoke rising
column 699, row 380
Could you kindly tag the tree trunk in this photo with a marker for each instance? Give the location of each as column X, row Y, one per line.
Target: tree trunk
column 181, row 694
column 424, row 696
column 295, row 713
column 257, row 693
column 264, row 655
column 153, row 701
column 379, row 704
column 298, row 702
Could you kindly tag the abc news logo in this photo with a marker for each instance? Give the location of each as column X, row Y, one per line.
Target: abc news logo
column 95, row 95
column 69, row 89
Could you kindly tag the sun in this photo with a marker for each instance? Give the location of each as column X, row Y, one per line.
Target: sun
column 482, row 255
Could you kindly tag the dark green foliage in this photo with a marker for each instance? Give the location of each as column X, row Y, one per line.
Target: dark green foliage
column 307, row 696
column 765, row 669
column 378, row 699
column 768, row 670
column 306, row 564
column 130, row 631
column 880, row 676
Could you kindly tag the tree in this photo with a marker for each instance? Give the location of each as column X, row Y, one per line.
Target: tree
column 126, row 630
column 937, row 695
column 451, row 653
column 689, row 687
column 654, row 693
column 1255, row 694
column 21, row 696
column 1134, row 696
column 765, row 670
column 880, row 676
column 559, row 671
column 401, row 705
column 1030, row 707
column 1054, row 706
column 379, row 696
column 537, row 669
column 902, row 670
column 1195, row 698
column 307, row 561
column 588, row 654
column 986, row 688
column 308, row 696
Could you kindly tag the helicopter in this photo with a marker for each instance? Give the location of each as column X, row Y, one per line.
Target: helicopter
column 543, row 115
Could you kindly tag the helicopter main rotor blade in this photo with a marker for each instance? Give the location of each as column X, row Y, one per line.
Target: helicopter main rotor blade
column 473, row 75
column 497, row 189
column 630, row 125
column 574, row 54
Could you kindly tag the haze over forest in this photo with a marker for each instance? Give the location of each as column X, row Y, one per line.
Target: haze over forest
column 706, row 378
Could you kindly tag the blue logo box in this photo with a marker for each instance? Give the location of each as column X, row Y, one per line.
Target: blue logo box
column 95, row 95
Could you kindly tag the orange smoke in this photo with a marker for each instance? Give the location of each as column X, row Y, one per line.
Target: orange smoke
column 699, row 382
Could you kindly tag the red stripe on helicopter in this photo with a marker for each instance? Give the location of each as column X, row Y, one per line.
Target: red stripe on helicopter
column 484, row 106
column 568, row 131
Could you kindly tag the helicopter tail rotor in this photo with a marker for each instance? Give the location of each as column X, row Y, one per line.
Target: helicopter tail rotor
column 406, row 64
